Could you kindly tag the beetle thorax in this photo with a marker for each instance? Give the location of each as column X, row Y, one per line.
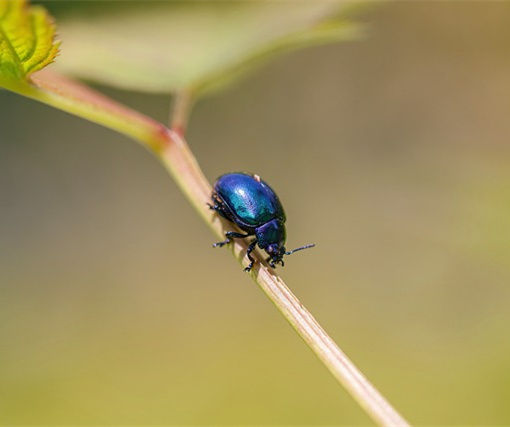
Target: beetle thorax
column 270, row 234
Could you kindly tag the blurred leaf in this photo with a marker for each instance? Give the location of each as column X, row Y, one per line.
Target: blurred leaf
column 26, row 40
column 166, row 46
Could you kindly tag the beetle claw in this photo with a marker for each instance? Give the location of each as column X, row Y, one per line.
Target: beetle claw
column 221, row 244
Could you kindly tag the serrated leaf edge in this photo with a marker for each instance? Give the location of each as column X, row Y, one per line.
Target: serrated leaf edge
column 42, row 26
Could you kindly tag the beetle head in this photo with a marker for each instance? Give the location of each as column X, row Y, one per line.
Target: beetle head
column 276, row 253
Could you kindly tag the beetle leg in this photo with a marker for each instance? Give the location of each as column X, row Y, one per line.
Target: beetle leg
column 230, row 235
column 251, row 248
column 216, row 207
column 235, row 235
column 219, row 207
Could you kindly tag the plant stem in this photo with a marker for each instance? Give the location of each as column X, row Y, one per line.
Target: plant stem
column 173, row 152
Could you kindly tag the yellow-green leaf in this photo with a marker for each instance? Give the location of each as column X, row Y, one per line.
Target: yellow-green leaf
column 27, row 40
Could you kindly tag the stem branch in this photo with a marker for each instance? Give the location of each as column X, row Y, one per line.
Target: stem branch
column 182, row 104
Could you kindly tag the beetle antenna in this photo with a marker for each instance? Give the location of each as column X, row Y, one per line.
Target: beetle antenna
column 300, row 249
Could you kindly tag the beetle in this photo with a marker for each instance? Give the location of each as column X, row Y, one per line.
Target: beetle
column 251, row 204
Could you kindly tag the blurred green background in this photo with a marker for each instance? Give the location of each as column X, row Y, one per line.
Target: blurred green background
column 390, row 153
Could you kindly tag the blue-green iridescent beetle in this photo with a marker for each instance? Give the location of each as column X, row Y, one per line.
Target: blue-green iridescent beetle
column 254, row 207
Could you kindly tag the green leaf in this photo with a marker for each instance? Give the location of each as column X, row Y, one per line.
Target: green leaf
column 192, row 45
column 26, row 41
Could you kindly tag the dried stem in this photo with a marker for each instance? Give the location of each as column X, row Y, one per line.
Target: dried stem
column 172, row 150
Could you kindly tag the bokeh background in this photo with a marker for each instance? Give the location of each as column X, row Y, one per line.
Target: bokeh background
column 391, row 153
